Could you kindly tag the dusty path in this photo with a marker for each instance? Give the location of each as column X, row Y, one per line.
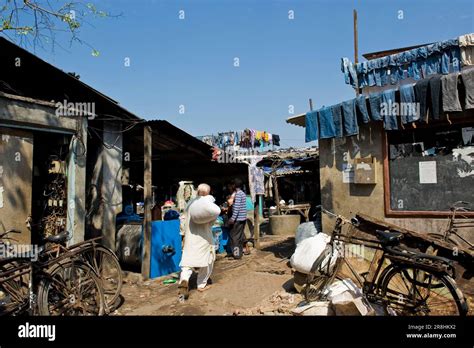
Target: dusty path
column 258, row 283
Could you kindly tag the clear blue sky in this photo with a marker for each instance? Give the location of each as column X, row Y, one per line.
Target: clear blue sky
column 282, row 62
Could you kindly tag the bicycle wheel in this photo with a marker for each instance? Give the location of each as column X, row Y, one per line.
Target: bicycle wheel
column 408, row 290
column 70, row 288
column 107, row 267
column 322, row 273
column 14, row 297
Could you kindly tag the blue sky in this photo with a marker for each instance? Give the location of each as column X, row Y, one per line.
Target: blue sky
column 282, row 62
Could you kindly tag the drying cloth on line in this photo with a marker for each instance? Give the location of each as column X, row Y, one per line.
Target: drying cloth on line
column 408, row 109
column 468, row 81
column 337, row 113
column 375, row 99
column 361, row 109
column 449, row 88
column 326, row 123
column 350, row 120
column 389, row 116
column 436, row 98
column 421, row 94
column 312, row 131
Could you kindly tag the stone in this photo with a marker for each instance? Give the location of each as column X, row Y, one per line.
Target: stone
column 314, row 308
column 355, row 307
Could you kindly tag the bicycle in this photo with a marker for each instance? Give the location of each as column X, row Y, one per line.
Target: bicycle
column 403, row 280
column 103, row 261
column 456, row 221
column 61, row 286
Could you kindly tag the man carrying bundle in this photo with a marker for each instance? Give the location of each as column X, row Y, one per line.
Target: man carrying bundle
column 198, row 251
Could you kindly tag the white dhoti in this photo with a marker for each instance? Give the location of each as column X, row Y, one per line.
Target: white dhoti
column 199, row 251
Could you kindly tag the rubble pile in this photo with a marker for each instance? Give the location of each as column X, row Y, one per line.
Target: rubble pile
column 279, row 303
column 343, row 298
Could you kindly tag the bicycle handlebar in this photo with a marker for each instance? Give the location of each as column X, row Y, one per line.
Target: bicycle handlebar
column 352, row 221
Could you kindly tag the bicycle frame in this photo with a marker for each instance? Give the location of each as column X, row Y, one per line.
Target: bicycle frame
column 371, row 287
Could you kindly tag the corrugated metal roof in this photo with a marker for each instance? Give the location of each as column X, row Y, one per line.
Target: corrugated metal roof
column 298, row 120
column 41, row 80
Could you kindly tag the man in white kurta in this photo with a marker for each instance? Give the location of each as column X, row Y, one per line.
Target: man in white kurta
column 199, row 251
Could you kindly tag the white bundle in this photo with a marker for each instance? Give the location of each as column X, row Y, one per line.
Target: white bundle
column 202, row 210
column 307, row 251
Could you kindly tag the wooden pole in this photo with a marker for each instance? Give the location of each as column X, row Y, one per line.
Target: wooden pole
column 277, row 193
column 310, row 104
column 356, row 45
column 147, row 155
column 256, row 222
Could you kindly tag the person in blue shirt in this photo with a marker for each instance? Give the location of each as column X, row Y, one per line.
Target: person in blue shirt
column 238, row 220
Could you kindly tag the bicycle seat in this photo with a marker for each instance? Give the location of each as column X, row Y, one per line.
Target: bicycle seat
column 389, row 238
column 58, row 238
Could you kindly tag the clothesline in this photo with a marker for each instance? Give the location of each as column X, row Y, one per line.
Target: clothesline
column 438, row 58
column 248, row 138
column 429, row 98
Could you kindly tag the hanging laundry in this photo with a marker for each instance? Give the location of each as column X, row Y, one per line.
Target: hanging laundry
column 326, row 123
column 337, row 113
column 265, row 137
column 375, row 100
column 312, row 131
column 436, row 98
column 361, row 109
column 466, row 43
column 389, row 114
column 349, row 118
column 276, row 139
column 468, row 81
column 449, row 87
column 421, row 94
column 256, row 178
column 408, row 109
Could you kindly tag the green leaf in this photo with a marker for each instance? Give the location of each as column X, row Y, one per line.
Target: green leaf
column 95, row 53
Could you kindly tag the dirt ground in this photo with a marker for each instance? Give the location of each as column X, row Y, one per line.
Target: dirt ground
column 260, row 283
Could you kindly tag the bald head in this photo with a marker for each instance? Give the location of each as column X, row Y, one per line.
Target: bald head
column 203, row 190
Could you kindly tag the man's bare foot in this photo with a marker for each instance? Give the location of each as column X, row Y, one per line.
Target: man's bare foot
column 204, row 288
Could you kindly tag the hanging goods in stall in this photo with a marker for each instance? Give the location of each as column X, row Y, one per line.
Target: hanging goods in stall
column 186, row 192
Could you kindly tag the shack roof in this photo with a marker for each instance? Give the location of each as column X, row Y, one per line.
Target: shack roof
column 170, row 142
column 37, row 81
column 25, row 74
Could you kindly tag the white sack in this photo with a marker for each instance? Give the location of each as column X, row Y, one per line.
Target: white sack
column 307, row 251
column 202, row 210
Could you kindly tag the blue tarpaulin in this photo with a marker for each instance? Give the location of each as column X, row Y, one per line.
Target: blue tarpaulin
column 165, row 248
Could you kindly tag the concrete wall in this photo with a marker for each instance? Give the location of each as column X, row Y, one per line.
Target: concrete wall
column 16, row 171
column 350, row 199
